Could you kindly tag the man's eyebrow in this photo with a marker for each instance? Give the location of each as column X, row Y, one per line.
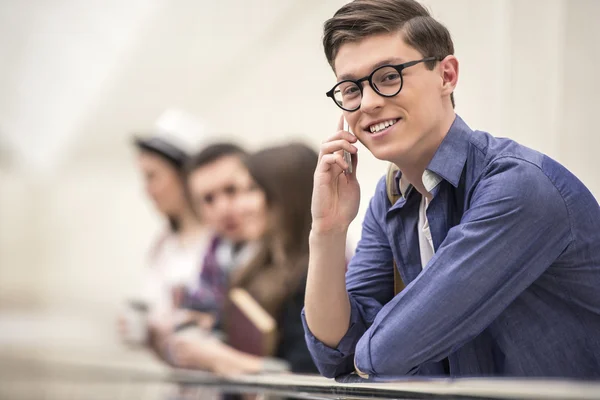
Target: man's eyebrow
column 392, row 61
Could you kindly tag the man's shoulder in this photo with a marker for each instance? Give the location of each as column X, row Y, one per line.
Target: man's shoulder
column 486, row 149
column 517, row 167
column 514, row 166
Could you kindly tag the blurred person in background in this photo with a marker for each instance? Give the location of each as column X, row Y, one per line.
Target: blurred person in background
column 274, row 212
column 177, row 253
column 215, row 178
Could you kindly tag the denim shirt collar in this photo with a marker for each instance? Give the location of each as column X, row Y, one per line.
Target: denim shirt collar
column 451, row 156
column 447, row 162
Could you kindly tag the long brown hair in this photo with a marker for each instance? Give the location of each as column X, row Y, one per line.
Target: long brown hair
column 285, row 174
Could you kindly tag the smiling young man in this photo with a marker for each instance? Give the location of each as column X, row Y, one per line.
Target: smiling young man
column 497, row 244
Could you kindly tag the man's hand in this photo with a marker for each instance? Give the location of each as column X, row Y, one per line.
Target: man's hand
column 336, row 196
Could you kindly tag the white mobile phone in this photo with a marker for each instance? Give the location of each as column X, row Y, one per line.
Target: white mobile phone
column 347, row 156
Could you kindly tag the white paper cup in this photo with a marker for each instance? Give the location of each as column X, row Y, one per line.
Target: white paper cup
column 136, row 323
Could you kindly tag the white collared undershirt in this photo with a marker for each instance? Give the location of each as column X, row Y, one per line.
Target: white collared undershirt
column 430, row 181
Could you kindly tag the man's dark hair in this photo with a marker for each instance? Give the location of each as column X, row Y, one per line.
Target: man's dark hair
column 212, row 153
column 363, row 18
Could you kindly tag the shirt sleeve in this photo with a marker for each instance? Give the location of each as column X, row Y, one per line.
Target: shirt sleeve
column 515, row 227
column 370, row 284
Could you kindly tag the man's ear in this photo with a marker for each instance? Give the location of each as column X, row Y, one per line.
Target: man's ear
column 449, row 74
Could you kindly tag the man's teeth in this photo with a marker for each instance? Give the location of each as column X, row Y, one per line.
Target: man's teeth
column 382, row 125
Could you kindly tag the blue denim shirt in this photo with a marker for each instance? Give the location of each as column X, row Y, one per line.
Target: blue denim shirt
column 513, row 288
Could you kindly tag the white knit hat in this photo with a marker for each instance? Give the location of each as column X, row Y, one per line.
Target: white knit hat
column 177, row 136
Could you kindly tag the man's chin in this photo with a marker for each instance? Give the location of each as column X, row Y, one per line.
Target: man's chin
column 385, row 153
column 233, row 235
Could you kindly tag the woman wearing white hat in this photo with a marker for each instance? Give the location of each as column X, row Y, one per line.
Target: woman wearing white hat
column 176, row 256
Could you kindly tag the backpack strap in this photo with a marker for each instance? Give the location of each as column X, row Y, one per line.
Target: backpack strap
column 391, row 187
column 393, row 194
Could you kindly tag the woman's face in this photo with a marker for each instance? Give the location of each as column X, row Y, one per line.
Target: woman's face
column 251, row 204
column 162, row 184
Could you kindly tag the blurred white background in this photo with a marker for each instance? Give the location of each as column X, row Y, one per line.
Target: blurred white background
column 77, row 77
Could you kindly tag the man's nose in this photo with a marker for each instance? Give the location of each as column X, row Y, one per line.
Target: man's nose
column 371, row 100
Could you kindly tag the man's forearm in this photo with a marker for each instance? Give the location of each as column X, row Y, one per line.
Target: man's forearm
column 327, row 307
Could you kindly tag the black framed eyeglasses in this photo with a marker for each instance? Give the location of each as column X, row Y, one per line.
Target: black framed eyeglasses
column 386, row 81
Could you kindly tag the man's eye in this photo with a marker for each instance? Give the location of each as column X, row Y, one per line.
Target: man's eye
column 391, row 77
column 208, row 199
column 230, row 190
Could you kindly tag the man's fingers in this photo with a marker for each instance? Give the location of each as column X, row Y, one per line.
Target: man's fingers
column 337, row 145
column 341, row 134
column 330, row 162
